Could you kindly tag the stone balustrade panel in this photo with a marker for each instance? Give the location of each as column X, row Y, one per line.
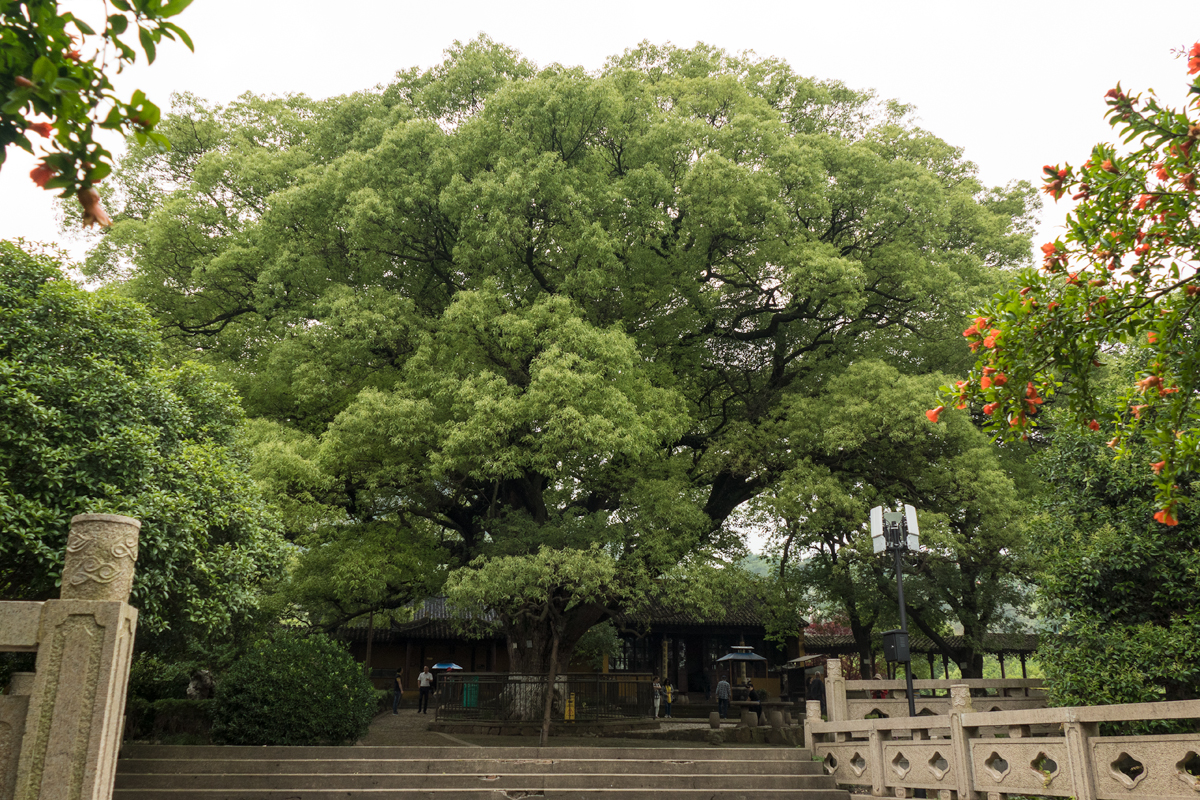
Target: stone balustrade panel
column 919, row 764
column 1021, row 766
column 14, row 707
column 893, row 707
column 1147, row 766
column 850, row 763
column 1015, row 752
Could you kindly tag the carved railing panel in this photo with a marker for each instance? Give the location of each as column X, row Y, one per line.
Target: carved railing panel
column 1147, row 766
column 1050, row 752
column 1021, row 766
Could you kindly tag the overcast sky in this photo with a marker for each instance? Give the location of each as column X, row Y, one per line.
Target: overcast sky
column 1016, row 83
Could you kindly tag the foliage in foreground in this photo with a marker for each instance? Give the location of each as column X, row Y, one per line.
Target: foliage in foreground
column 53, row 63
column 92, row 420
column 1124, row 276
column 1119, row 593
column 293, row 690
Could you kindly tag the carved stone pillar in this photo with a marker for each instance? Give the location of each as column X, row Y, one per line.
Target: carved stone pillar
column 812, row 715
column 960, row 736
column 835, row 691
column 85, row 639
column 1079, row 761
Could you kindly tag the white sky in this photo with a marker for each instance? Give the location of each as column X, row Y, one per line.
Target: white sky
column 1016, row 83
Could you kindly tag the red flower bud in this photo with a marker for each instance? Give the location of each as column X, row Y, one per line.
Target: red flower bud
column 23, row 82
column 42, row 129
column 42, row 173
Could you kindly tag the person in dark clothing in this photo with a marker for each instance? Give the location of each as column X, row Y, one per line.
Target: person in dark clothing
column 397, row 693
column 816, row 691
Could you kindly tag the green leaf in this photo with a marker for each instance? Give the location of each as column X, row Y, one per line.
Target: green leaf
column 121, row 5
column 83, row 27
column 183, row 35
column 173, row 7
column 147, row 39
column 44, row 70
column 99, row 172
column 118, row 23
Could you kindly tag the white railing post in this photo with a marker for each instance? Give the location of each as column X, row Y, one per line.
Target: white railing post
column 1079, row 758
column 835, row 691
column 878, row 774
column 960, row 736
column 812, row 715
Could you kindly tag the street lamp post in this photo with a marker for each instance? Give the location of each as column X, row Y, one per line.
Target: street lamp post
column 897, row 532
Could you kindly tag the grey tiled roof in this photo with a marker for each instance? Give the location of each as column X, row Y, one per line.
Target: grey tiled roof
column 918, row 643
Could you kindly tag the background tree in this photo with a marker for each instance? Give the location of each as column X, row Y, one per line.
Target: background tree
column 94, row 421
column 50, row 67
column 1123, row 276
column 867, row 443
column 532, row 308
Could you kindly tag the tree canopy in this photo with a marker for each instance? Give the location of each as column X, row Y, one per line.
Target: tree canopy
column 95, row 421
column 496, row 308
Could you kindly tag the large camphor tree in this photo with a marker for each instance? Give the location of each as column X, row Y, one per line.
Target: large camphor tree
column 490, row 309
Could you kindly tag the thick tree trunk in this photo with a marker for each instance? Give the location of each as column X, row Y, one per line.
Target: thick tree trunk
column 531, row 642
column 551, row 677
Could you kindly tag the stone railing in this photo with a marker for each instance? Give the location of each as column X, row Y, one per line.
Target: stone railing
column 846, row 699
column 1049, row 752
column 60, row 726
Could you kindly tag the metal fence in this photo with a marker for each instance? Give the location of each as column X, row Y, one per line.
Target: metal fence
column 508, row 697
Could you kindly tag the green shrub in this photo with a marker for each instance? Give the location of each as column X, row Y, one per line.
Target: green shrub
column 293, row 690
column 152, row 678
column 178, row 721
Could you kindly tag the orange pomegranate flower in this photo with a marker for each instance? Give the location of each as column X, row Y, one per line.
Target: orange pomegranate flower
column 1165, row 517
column 1000, row 379
column 990, row 408
column 1158, row 466
column 1094, row 425
column 985, row 382
column 42, row 129
column 934, row 413
column 1194, row 59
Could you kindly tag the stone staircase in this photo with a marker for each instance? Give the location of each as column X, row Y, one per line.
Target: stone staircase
column 495, row 773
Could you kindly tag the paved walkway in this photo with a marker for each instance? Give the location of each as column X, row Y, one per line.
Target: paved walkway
column 410, row 729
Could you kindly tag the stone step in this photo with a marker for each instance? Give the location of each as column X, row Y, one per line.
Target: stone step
column 495, row 773
column 546, row 765
column 567, row 752
column 495, row 781
column 487, row 794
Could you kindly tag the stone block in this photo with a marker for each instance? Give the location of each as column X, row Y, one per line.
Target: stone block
column 19, row 626
column 714, row 719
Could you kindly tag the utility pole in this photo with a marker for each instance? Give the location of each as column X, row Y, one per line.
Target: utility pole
column 897, row 532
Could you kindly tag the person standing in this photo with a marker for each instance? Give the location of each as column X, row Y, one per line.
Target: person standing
column 816, row 691
column 424, row 686
column 397, row 693
column 724, row 690
column 668, row 696
column 656, row 687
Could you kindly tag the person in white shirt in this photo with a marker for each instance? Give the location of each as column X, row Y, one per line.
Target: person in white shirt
column 424, row 685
